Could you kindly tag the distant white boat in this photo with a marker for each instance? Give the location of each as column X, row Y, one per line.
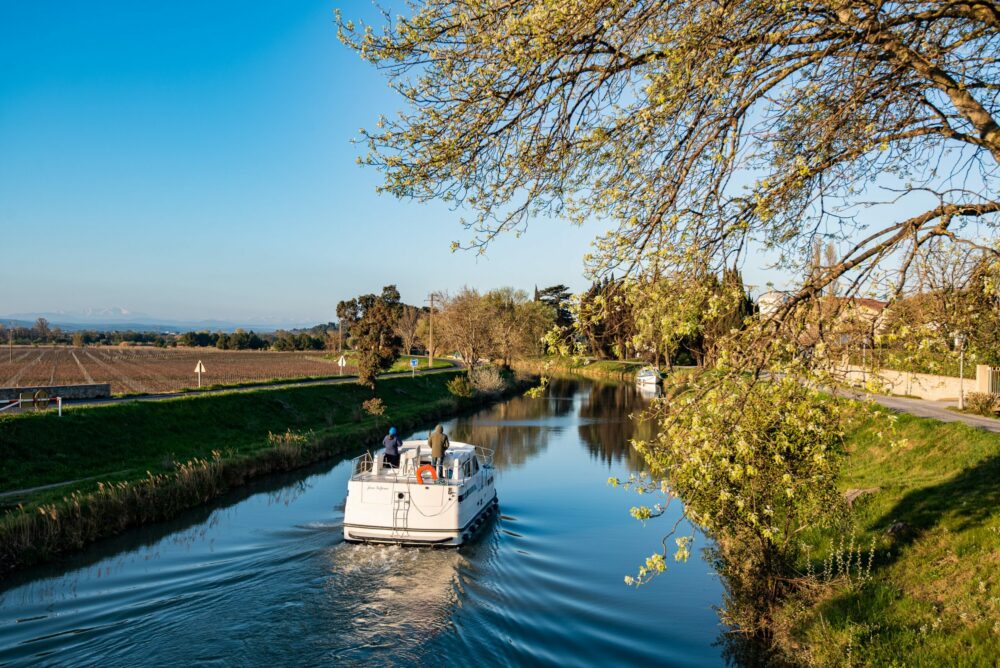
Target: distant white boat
column 648, row 376
column 410, row 505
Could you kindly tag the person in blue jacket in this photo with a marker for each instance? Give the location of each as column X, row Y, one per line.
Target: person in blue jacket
column 392, row 444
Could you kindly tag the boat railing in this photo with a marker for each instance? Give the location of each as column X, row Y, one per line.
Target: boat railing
column 363, row 464
column 485, row 456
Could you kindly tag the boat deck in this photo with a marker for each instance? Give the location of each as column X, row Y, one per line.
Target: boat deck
column 461, row 461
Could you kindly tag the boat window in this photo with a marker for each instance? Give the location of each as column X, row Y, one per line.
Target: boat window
column 475, row 466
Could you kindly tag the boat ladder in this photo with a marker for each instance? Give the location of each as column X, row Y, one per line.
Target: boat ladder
column 400, row 515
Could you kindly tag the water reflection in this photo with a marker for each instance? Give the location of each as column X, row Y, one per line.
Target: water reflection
column 517, row 430
column 608, row 438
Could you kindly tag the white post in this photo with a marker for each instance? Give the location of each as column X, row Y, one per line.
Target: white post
column 960, row 344
column 199, row 376
column 961, row 379
column 59, row 405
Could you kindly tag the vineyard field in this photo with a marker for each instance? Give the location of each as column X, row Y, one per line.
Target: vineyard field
column 133, row 370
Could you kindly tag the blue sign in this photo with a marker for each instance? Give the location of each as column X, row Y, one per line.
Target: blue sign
column 414, row 363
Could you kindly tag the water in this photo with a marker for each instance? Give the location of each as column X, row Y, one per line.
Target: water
column 263, row 578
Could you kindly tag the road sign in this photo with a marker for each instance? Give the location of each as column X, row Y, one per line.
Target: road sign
column 199, row 369
column 414, row 363
column 342, row 362
column 413, row 366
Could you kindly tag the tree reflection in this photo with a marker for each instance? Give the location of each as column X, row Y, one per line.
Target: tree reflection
column 610, row 422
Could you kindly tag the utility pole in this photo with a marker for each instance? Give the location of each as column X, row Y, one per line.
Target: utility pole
column 430, row 337
column 10, row 344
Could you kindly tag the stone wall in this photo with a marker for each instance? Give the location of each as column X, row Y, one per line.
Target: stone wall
column 67, row 392
column 921, row 385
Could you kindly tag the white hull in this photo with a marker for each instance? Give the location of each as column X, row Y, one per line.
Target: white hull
column 358, row 533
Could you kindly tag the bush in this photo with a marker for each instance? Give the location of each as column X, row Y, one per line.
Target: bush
column 487, row 380
column 982, row 403
column 460, row 386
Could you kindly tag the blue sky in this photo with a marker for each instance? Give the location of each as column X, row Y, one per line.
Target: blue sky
column 193, row 160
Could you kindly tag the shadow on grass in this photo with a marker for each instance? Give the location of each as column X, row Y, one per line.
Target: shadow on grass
column 964, row 501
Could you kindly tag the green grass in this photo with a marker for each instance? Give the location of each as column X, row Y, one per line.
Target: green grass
column 401, row 364
column 598, row 368
column 123, row 441
column 934, row 595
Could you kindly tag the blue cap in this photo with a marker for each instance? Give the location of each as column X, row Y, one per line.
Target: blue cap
column 392, row 431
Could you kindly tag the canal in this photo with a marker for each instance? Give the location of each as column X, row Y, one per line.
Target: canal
column 263, row 578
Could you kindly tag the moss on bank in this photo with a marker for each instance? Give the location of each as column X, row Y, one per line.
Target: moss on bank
column 932, row 506
column 147, row 461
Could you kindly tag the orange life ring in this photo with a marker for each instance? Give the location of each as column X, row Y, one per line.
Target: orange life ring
column 426, row 468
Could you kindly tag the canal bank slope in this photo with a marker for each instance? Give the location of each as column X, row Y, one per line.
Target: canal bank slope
column 923, row 585
column 141, row 462
column 579, row 366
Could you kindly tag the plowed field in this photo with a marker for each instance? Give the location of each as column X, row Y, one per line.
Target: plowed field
column 133, row 370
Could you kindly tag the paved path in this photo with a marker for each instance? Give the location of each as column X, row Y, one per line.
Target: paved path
column 937, row 410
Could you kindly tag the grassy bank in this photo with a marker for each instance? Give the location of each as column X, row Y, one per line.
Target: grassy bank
column 932, row 597
column 621, row 370
column 147, row 461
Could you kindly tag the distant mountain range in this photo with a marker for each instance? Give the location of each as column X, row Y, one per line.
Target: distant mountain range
column 122, row 319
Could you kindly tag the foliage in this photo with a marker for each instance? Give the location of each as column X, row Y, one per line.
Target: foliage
column 373, row 332
column 406, row 327
column 374, row 406
column 487, row 380
column 606, row 319
column 518, row 325
column 502, row 324
column 982, row 403
column 698, row 324
column 755, row 464
column 955, row 293
column 461, row 386
column 703, row 131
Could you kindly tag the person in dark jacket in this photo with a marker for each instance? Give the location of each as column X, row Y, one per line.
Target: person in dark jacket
column 392, row 443
column 439, row 443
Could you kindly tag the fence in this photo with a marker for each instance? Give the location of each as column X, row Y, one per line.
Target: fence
column 987, row 378
column 31, row 401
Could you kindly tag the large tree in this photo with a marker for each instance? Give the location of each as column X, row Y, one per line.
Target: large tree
column 406, row 327
column 374, row 333
column 465, row 324
column 704, row 130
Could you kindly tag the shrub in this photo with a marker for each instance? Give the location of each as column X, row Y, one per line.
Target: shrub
column 487, row 380
column 374, row 406
column 460, row 386
column 982, row 403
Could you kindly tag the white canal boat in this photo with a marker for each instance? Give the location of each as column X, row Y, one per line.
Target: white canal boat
column 410, row 505
column 648, row 377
